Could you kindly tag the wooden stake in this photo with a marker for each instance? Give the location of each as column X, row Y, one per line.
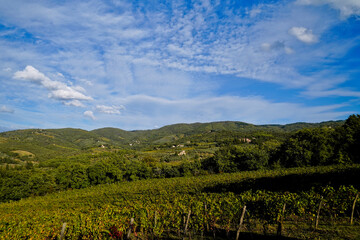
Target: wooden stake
column 353, row 209
column 62, row 234
column 241, row 222
column 318, row 213
column 279, row 229
column 131, row 228
column 187, row 222
column 155, row 220
column 207, row 220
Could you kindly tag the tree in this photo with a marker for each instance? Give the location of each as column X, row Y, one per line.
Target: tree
column 72, row 176
column 351, row 142
column 251, row 157
column 103, row 172
column 308, row 147
column 233, row 159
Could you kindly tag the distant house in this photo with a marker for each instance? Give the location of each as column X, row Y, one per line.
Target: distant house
column 182, row 153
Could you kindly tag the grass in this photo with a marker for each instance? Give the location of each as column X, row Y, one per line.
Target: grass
column 22, row 153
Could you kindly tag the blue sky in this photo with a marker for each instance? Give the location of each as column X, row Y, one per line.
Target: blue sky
column 146, row 64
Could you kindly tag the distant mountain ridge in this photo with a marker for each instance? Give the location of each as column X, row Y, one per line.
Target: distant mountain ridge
column 194, row 128
column 50, row 143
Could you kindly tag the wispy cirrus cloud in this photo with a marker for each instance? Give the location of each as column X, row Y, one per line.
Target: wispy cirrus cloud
column 179, row 55
column 161, row 111
column 183, row 39
column 109, row 109
column 347, row 8
column 5, row 109
column 332, row 92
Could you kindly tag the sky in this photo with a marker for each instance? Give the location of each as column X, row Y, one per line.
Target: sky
column 145, row 64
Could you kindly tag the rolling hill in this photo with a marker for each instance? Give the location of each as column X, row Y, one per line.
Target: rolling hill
column 49, row 143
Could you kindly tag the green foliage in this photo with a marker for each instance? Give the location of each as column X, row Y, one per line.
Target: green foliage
column 308, row 147
column 103, row 172
column 76, row 158
column 72, row 176
column 15, row 184
column 351, row 137
column 104, row 211
column 234, row 159
column 110, row 186
column 322, row 146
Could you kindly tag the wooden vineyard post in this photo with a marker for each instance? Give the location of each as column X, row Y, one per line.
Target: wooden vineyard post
column 155, row 219
column 279, row 229
column 131, row 228
column 187, row 222
column 62, row 234
column 353, row 209
column 318, row 214
column 207, row 220
column 241, row 222
column 155, row 222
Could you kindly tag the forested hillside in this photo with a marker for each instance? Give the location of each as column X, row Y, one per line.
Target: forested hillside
column 44, row 144
column 37, row 162
column 296, row 162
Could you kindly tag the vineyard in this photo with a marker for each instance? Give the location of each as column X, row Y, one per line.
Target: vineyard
column 197, row 207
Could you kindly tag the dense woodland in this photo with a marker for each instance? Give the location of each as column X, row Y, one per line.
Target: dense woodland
column 218, row 167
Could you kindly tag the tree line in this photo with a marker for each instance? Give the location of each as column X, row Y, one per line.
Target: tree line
column 307, row 147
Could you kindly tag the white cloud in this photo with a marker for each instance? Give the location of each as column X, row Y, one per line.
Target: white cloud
column 288, row 50
column 347, row 8
column 133, row 33
column 109, row 109
column 5, row 109
column 332, row 92
column 75, row 103
column 87, row 82
column 254, row 12
column 277, row 46
column 60, row 75
column 303, row 34
column 89, row 114
column 58, row 90
column 32, row 74
column 180, row 51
